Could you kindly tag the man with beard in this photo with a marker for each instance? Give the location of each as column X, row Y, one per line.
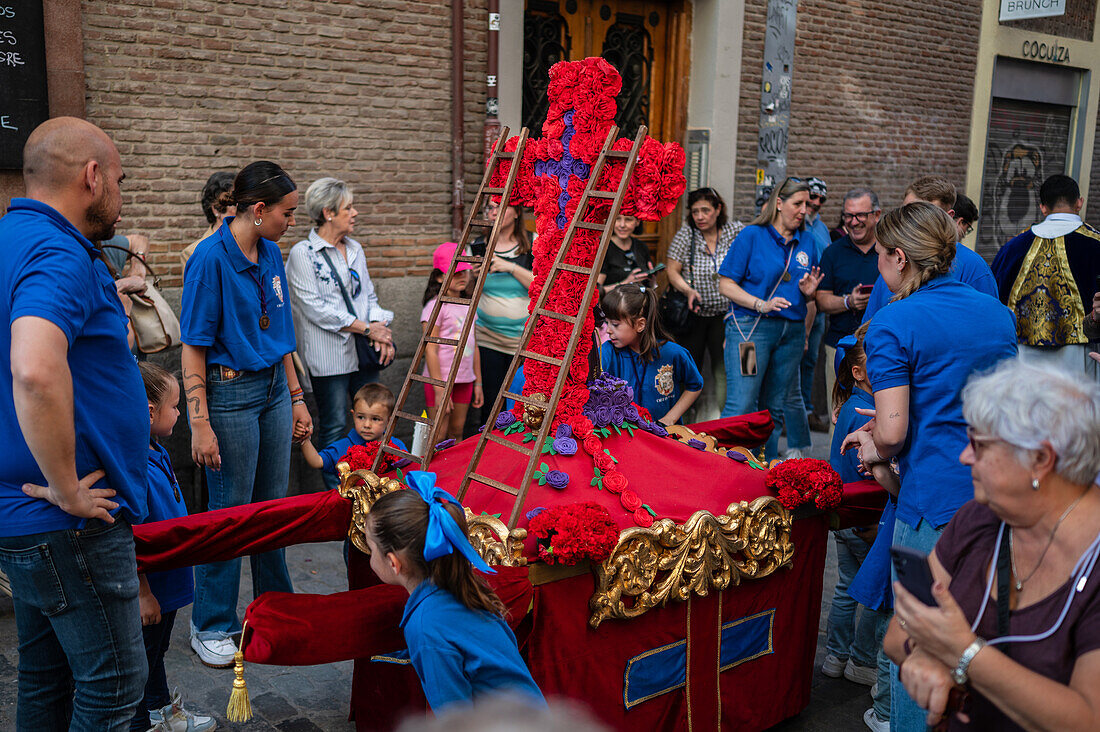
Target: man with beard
column 850, row 268
column 75, row 428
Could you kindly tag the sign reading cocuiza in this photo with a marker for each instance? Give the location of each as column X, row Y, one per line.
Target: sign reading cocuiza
column 1052, row 52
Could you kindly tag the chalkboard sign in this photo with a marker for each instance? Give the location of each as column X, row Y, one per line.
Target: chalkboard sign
column 23, row 101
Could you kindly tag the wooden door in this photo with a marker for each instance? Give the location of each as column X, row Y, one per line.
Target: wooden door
column 646, row 40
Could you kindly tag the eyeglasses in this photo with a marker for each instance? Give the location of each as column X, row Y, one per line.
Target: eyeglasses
column 815, row 197
column 858, row 217
column 979, row 441
column 967, row 228
column 357, row 285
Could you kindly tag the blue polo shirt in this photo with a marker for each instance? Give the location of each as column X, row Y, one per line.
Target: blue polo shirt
column 821, row 235
column 847, row 422
column 173, row 588
column 48, row 270
column 462, row 654
column 968, row 268
column 658, row 384
column 932, row 341
column 755, row 261
column 843, row 267
column 332, row 454
column 222, row 304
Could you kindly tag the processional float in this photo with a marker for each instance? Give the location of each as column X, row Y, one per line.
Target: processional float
column 654, row 577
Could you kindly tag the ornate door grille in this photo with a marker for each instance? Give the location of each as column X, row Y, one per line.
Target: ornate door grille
column 545, row 42
column 628, row 47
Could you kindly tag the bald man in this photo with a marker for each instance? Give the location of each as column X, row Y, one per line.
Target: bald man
column 75, row 430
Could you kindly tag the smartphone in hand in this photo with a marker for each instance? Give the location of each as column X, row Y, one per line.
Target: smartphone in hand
column 914, row 573
column 865, row 289
column 655, row 270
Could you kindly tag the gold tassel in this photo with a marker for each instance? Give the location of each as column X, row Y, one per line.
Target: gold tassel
column 240, row 708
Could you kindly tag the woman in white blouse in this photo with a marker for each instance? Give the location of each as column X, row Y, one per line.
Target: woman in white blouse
column 321, row 270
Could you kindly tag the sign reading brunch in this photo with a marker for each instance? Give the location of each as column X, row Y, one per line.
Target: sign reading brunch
column 1020, row 9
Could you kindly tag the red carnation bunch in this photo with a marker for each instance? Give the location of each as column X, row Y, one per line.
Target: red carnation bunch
column 800, row 481
column 361, row 457
column 569, row 534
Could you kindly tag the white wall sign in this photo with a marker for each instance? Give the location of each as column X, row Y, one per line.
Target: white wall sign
column 1020, row 9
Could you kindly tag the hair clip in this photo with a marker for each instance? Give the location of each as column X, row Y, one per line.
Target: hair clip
column 641, row 288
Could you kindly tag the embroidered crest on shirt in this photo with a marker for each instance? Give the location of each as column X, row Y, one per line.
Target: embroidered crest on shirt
column 665, row 380
column 277, row 286
column 803, row 259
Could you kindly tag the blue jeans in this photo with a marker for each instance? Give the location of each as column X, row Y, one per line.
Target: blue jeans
column 778, row 353
column 251, row 417
column 333, row 395
column 157, row 638
column 905, row 714
column 81, row 658
column 845, row 637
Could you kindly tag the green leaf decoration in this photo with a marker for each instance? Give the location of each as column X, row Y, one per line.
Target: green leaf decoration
column 613, row 458
column 629, row 428
column 542, row 479
column 529, row 437
column 544, row 467
column 597, row 479
column 494, row 515
column 514, row 428
column 617, row 430
column 548, row 447
column 401, row 475
column 602, row 432
column 651, row 511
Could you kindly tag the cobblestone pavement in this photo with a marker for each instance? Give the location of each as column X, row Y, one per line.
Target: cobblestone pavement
column 311, row 698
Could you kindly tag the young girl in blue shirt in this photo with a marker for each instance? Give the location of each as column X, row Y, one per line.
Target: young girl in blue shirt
column 458, row 641
column 161, row 594
column 662, row 374
column 851, row 648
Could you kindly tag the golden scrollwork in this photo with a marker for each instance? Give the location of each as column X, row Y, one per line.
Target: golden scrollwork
column 491, row 538
column 362, row 488
column 532, row 415
column 683, row 433
column 670, row 561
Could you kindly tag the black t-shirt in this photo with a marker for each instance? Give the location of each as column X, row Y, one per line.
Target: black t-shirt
column 843, row 267
column 618, row 264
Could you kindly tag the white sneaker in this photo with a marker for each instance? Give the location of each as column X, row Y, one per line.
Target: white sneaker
column 832, row 667
column 174, row 718
column 866, row 675
column 872, row 720
column 793, row 454
column 217, row 653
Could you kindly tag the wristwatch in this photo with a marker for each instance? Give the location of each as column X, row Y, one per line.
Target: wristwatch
column 959, row 673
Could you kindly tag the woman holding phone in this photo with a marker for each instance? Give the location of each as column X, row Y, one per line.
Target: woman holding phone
column 1012, row 638
column 627, row 259
column 244, row 403
column 769, row 273
column 917, row 372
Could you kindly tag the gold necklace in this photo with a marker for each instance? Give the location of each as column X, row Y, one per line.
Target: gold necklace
column 1050, row 540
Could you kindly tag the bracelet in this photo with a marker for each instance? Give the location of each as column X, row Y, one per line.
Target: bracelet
column 758, row 306
column 846, row 306
column 296, row 401
column 296, row 392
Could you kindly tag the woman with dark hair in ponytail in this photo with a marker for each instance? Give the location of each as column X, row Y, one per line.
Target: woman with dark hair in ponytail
column 244, row 402
column 921, row 349
column 458, row 641
column 661, row 373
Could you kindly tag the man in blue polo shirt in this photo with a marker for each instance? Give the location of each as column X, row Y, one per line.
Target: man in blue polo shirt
column 968, row 267
column 74, row 423
column 849, row 269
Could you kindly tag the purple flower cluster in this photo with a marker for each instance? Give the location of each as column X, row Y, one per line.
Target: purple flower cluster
column 562, row 170
column 534, row 512
column 441, row 446
column 505, row 419
column 609, row 399
column 697, row 444
column 557, row 479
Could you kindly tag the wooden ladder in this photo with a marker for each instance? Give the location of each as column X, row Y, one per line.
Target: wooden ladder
column 476, row 219
column 533, row 453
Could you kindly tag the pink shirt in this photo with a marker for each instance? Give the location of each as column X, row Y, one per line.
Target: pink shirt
column 449, row 324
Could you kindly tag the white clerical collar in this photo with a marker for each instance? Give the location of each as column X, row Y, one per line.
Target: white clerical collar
column 1056, row 225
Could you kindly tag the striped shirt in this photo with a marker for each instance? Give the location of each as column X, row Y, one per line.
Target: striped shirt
column 705, row 277
column 502, row 310
column 318, row 307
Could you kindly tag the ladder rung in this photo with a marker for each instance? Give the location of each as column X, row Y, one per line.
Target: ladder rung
column 442, row 341
column 481, row 222
column 539, row 357
column 494, row 484
column 424, row 379
column 557, row 316
column 413, row 418
column 511, row 445
column 455, row 300
column 588, row 225
column 492, row 191
column 575, row 268
column 525, row 400
column 618, row 153
column 505, row 155
column 472, row 259
column 602, row 194
column 394, row 450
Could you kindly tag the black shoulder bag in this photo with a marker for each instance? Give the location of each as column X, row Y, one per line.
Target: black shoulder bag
column 675, row 312
column 368, row 357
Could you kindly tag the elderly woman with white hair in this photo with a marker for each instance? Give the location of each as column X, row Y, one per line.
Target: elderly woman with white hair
column 1014, row 640
column 332, row 299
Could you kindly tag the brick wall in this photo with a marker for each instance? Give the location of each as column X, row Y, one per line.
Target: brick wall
column 359, row 90
column 881, row 93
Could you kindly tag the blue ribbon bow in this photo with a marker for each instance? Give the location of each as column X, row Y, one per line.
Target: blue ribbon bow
column 444, row 535
column 842, row 347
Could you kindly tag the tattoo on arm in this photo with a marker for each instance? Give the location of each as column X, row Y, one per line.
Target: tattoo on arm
column 195, row 389
column 895, row 415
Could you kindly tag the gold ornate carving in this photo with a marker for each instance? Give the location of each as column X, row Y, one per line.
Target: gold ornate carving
column 362, row 488
column 671, row 561
column 1045, row 297
column 491, row 538
column 683, row 433
column 532, row 415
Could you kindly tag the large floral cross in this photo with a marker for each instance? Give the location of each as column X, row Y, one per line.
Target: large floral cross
column 553, row 173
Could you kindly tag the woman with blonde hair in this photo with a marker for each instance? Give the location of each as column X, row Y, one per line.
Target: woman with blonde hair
column 769, row 273
column 921, row 349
